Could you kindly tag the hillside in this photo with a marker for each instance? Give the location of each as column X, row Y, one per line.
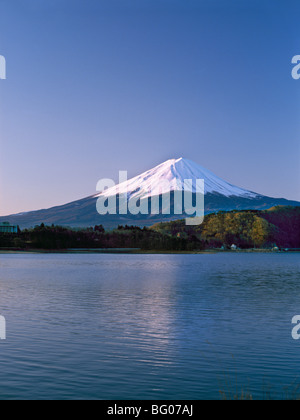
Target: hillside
column 247, row 229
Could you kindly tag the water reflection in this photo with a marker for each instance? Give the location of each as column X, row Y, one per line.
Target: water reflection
column 109, row 326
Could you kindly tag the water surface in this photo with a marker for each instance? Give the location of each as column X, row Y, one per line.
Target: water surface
column 148, row 326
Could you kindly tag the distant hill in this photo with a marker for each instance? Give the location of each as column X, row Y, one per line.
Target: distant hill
column 278, row 226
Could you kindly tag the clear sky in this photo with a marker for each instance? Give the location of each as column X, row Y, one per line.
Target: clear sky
column 98, row 86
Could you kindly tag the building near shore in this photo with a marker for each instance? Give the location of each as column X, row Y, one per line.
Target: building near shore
column 6, row 227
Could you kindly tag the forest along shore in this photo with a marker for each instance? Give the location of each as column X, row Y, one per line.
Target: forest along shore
column 276, row 229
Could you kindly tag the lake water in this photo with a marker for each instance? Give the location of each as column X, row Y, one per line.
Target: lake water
column 149, row 326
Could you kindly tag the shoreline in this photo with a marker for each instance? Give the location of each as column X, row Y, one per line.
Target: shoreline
column 136, row 251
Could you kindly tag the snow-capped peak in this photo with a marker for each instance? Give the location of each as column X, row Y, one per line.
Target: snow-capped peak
column 170, row 176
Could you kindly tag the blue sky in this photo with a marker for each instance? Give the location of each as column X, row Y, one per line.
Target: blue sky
column 94, row 87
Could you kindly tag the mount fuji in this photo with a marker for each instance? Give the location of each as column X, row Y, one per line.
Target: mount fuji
column 175, row 172
column 219, row 196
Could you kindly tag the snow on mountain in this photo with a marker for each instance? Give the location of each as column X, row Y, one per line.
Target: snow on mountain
column 220, row 196
column 170, row 176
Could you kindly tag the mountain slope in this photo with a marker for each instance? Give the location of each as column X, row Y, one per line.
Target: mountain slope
column 219, row 195
column 175, row 172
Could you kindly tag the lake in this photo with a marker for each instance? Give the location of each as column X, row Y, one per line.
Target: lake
column 149, row 326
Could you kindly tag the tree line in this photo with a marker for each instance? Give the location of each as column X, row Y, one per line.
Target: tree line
column 61, row 238
column 279, row 226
